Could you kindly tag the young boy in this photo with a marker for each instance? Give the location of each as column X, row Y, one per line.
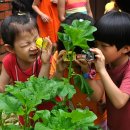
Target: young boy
column 113, row 64
column 19, row 33
column 79, row 100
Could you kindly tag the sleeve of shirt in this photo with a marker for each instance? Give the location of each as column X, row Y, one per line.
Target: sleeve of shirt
column 7, row 64
column 125, row 85
column 53, row 64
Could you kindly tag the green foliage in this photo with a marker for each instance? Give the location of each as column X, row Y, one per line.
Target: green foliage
column 60, row 120
column 8, row 104
column 12, row 127
column 23, row 97
column 77, row 34
column 36, row 90
column 83, row 85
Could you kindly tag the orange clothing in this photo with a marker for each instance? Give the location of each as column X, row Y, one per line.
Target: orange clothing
column 53, row 64
column 80, row 100
column 48, row 28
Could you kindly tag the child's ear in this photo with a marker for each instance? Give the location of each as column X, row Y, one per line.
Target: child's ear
column 126, row 49
column 9, row 48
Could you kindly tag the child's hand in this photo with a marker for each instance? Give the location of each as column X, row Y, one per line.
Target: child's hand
column 54, row 1
column 81, row 61
column 46, row 53
column 45, row 17
column 61, row 65
column 100, row 59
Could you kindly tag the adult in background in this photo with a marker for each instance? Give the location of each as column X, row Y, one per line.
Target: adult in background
column 68, row 7
column 47, row 19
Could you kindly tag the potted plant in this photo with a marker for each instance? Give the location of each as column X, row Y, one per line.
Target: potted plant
column 23, row 98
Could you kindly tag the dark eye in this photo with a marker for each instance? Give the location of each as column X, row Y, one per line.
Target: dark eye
column 25, row 44
column 28, row 43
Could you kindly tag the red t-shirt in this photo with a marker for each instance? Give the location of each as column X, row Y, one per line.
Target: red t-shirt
column 14, row 71
column 16, row 74
column 119, row 119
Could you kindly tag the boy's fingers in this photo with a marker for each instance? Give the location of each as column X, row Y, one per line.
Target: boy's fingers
column 96, row 50
column 49, row 44
column 61, row 53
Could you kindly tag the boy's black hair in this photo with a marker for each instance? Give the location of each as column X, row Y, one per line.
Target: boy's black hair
column 124, row 5
column 15, row 24
column 114, row 28
column 69, row 21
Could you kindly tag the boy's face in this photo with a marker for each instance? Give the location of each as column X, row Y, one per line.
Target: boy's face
column 109, row 51
column 25, row 46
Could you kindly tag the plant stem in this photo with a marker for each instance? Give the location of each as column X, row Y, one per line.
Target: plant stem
column 26, row 118
column 70, row 65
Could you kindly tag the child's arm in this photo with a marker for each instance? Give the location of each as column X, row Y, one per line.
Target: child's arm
column 45, row 57
column 61, row 65
column 95, row 84
column 54, row 1
column 99, row 92
column 43, row 16
column 89, row 9
column 117, row 97
column 61, row 9
column 4, row 79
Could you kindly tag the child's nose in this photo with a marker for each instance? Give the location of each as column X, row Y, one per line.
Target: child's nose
column 33, row 46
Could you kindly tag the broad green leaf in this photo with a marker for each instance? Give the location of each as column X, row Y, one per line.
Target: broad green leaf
column 66, row 40
column 9, row 104
column 67, row 90
column 62, row 120
column 79, row 115
column 40, row 126
column 83, row 24
column 80, row 82
column 43, row 114
column 13, row 127
column 78, row 33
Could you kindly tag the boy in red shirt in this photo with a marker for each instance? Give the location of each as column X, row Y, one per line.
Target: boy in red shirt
column 113, row 65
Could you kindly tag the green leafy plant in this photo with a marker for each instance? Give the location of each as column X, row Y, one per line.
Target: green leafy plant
column 60, row 120
column 8, row 105
column 22, row 98
column 77, row 34
column 33, row 92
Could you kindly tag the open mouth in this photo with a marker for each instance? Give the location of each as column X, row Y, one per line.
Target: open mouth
column 34, row 55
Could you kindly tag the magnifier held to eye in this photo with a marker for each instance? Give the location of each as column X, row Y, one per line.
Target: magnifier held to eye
column 41, row 43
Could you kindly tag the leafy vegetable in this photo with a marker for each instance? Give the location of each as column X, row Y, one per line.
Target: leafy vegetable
column 61, row 120
column 77, row 34
column 23, row 97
